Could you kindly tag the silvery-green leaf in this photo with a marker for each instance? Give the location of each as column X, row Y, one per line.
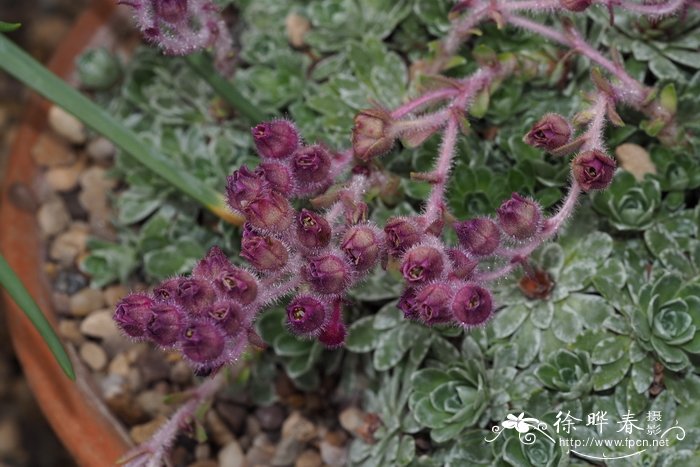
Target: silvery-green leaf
column 610, row 350
column 528, row 342
column 508, row 320
column 566, row 324
column 542, row 314
column 607, row 376
column 362, row 336
column 388, row 351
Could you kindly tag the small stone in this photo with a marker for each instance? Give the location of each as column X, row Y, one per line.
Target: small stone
column 202, row 452
column 67, row 125
column 152, row 366
column 351, row 419
column 115, row 293
column 53, row 217
column 635, row 159
column 119, row 366
column 233, row 415
column 100, row 150
column 99, row 324
column 151, row 401
column 287, row 451
column 309, row 458
column 297, row 27
column 142, row 433
column 180, row 373
column 69, row 281
column 95, row 180
column 93, row 355
column 217, row 429
column 231, row 455
column 64, row 179
column 85, row 301
column 67, row 246
column 270, row 417
column 10, row 438
column 298, row 427
column 115, row 391
column 204, row 463
column 252, row 426
column 61, row 303
column 70, row 330
column 261, row 453
column 52, row 151
column 333, row 455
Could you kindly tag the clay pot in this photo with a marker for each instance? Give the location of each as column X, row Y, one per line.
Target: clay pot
column 74, row 409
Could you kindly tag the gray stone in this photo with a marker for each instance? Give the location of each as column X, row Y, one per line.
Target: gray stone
column 67, row 126
column 231, row 455
column 53, row 217
column 99, row 324
column 93, row 355
column 85, row 301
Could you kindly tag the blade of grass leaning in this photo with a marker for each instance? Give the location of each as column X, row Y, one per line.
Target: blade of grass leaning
column 34, row 75
column 9, row 27
column 16, row 290
column 201, row 63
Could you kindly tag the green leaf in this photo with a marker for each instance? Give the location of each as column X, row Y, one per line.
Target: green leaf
column 508, row 320
column 30, row 72
column 610, row 350
column 407, row 450
column 24, row 300
column 607, row 376
column 362, row 336
column 9, row 27
column 288, row 345
column 389, row 350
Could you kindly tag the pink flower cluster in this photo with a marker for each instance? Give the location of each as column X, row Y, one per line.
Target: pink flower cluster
column 181, row 27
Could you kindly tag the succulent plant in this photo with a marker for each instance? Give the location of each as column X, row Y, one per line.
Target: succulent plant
column 628, row 204
column 667, row 320
column 568, row 372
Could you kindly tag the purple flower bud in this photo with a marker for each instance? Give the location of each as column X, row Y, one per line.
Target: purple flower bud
column 211, row 265
column 551, row 132
column 327, row 274
column 165, row 324
column 462, row 264
column 593, row 170
column 311, row 164
column 362, row 246
column 306, row 315
column 479, row 236
column 270, row 211
column 371, row 134
column 237, row 284
column 422, row 264
column 356, row 213
column 264, row 253
column 133, row 313
column 520, row 217
column 401, row 234
column 277, row 175
column 472, row 305
column 313, row 230
column 171, row 11
column 167, row 290
column 277, row 139
column 432, row 303
column 575, row 5
column 243, row 187
column 407, row 304
column 333, row 335
column 202, row 342
column 194, row 294
column 227, row 315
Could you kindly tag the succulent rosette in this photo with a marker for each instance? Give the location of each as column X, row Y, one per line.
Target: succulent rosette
column 568, row 372
column 629, row 204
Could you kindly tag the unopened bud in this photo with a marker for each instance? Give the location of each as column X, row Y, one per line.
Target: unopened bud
column 167, row 290
column 549, row 133
column 243, row 187
column 371, row 134
column 362, row 246
column 313, row 230
column 520, row 217
column 334, row 334
column 432, row 303
column 593, row 170
column 401, row 234
column 264, row 253
column 277, row 175
column 479, row 236
column 311, row 164
column 328, row 274
column 133, row 313
column 575, row 5
column 462, row 264
column 203, row 342
column 227, row 315
column 277, row 139
column 171, row 11
column 422, row 264
column 306, row 315
column 194, row 294
column 271, row 211
column 472, row 305
column 165, row 324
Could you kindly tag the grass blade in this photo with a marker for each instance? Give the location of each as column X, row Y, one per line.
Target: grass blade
column 201, row 63
column 30, row 72
column 21, row 296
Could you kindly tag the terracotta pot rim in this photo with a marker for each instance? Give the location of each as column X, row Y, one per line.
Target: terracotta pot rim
column 75, row 411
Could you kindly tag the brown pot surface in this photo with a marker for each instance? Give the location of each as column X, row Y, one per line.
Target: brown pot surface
column 74, row 409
